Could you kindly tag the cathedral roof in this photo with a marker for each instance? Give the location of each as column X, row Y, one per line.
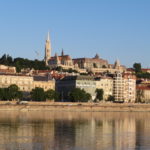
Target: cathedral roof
column 64, row 57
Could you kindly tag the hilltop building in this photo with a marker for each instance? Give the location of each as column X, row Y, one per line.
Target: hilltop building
column 63, row 61
column 82, row 65
column 89, row 63
column 7, row 69
column 47, row 49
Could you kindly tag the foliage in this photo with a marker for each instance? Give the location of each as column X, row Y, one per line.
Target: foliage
column 111, row 98
column 22, row 63
column 52, row 95
column 70, row 70
column 139, row 96
column 137, row 67
column 38, row 94
column 144, row 75
column 99, row 94
column 10, row 93
column 79, row 95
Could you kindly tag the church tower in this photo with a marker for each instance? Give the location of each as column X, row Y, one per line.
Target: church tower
column 47, row 49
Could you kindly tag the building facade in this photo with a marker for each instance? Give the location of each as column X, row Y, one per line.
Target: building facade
column 89, row 63
column 63, row 61
column 105, row 83
column 7, row 69
column 26, row 83
column 124, row 87
column 68, row 83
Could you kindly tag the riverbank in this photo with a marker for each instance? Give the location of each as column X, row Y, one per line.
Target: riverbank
column 72, row 107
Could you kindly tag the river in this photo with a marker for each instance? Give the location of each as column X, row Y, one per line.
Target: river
column 51, row 130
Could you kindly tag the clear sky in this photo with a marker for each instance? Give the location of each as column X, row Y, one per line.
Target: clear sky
column 115, row 29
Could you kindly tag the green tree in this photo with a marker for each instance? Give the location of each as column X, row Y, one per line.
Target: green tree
column 38, row 94
column 52, row 95
column 99, row 94
column 88, row 96
column 139, row 96
column 79, row 95
column 10, row 93
column 13, row 92
column 137, row 67
column 111, row 98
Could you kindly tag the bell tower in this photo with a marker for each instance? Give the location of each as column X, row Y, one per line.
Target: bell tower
column 47, row 50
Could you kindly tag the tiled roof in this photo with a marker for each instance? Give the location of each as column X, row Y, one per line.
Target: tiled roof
column 65, row 57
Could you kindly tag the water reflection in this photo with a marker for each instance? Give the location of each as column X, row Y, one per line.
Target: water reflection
column 74, row 131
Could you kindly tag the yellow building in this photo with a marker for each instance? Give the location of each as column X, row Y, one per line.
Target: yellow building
column 105, row 83
column 27, row 83
column 43, row 82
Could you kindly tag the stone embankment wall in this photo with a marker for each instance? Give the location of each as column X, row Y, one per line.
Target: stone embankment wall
column 80, row 107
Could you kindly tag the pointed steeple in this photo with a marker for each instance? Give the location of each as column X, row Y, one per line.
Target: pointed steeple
column 117, row 64
column 62, row 53
column 47, row 49
column 48, row 37
column 96, row 56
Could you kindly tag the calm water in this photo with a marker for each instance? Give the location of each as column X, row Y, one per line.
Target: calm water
column 74, row 131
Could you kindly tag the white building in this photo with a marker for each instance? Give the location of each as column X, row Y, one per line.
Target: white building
column 124, row 87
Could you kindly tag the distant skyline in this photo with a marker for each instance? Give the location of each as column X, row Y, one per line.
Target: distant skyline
column 115, row 29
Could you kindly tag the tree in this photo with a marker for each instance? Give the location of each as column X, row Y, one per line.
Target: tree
column 111, row 98
column 52, row 95
column 21, row 63
column 13, row 92
column 79, row 95
column 139, row 96
column 99, row 94
column 10, row 93
column 137, row 67
column 88, row 96
column 38, row 94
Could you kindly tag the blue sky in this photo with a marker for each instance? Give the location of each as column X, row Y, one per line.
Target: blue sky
column 115, row 29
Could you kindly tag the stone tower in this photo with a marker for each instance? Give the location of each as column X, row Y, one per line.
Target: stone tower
column 47, row 49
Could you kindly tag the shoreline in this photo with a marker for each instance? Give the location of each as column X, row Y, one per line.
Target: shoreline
column 74, row 107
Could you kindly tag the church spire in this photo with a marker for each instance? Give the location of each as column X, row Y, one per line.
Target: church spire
column 47, row 49
column 62, row 52
column 48, row 37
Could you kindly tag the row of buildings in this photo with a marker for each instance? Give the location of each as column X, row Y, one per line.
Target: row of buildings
column 120, row 85
column 114, row 79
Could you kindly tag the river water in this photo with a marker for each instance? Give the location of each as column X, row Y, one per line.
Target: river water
column 74, row 131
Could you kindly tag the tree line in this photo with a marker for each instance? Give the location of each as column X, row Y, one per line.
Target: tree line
column 22, row 63
column 138, row 71
column 38, row 94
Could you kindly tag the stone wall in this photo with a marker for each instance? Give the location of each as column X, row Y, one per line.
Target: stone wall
column 74, row 107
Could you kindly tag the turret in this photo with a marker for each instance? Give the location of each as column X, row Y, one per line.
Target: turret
column 47, row 49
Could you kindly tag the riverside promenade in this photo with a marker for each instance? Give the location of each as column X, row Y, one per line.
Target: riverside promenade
column 72, row 107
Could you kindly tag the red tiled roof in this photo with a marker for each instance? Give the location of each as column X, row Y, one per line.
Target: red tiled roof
column 65, row 57
column 143, row 88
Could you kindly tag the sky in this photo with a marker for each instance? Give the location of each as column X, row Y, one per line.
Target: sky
column 115, row 29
